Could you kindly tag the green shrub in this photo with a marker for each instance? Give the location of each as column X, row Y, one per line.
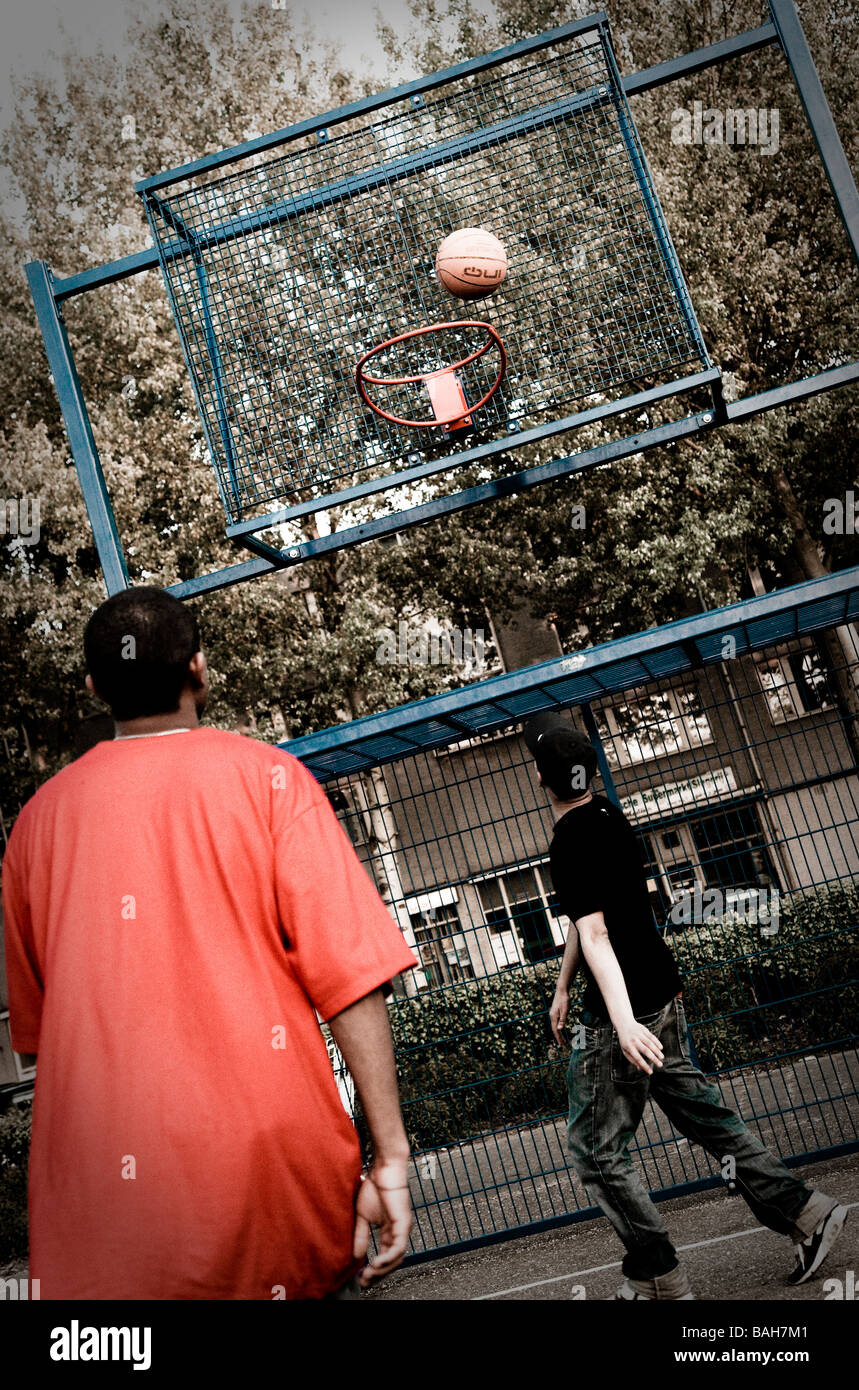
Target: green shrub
column 479, row 1055
column 475, row 1055
column 14, row 1152
column 751, row 997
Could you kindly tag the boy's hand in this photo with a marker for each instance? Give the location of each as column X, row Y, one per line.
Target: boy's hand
column 383, row 1200
column 640, row 1047
column 558, row 1011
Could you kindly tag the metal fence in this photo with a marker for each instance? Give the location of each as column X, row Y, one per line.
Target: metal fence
column 732, row 743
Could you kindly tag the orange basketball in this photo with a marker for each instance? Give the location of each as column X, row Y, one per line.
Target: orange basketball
column 471, row 263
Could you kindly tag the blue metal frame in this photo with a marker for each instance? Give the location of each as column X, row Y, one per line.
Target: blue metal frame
column 513, row 483
column 417, row 87
column 49, row 293
column 78, row 426
column 162, row 214
column 621, row 664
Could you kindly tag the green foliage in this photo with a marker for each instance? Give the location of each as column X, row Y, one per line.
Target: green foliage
column 476, row 1056
column 14, row 1151
column 770, row 275
column 752, row 997
column 775, row 288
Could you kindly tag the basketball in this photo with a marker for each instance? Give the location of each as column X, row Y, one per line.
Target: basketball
column 471, row 263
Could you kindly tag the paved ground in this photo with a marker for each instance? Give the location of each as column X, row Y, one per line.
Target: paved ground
column 727, row 1255
column 517, row 1176
column 521, row 1175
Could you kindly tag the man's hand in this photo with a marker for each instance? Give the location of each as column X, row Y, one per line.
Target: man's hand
column 558, row 1011
column 383, row 1200
column 640, row 1047
column 363, row 1034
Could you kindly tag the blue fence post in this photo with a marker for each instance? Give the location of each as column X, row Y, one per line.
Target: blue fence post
column 823, row 128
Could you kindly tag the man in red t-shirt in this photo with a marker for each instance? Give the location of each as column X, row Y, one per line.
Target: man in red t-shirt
column 180, row 904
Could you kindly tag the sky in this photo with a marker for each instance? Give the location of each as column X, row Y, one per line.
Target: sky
column 33, row 32
column 31, row 29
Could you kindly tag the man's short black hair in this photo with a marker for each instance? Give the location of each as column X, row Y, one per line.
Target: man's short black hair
column 137, row 646
column 565, row 758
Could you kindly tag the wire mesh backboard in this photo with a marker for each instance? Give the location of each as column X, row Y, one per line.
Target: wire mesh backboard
column 284, row 271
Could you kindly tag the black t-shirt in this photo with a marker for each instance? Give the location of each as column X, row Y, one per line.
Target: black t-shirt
column 597, row 866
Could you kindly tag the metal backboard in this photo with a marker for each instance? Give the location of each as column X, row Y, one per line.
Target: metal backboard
column 283, row 271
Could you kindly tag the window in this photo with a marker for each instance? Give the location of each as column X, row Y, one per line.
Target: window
column 794, row 684
column 731, row 850
column 522, row 914
column 441, row 944
column 22, row 1073
column 653, row 726
column 722, row 850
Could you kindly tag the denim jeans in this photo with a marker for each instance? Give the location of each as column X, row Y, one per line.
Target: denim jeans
column 607, row 1099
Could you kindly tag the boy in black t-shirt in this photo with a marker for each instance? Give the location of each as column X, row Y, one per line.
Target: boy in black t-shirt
column 633, row 1043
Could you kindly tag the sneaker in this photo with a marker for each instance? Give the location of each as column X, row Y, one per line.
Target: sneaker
column 674, row 1285
column 811, row 1253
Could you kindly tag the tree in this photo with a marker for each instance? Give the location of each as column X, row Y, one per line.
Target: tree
column 193, row 81
column 769, row 273
column 774, row 286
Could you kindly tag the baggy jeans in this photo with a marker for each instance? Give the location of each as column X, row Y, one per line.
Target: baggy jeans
column 607, row 1099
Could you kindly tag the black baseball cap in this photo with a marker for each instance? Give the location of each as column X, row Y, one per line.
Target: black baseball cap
column 566, row 759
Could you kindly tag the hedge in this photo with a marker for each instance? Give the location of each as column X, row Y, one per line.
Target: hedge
column 476, row 1056
column 14, row 1152
column 480, row 1055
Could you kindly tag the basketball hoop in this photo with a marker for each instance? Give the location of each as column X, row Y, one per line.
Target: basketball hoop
column 451, row 410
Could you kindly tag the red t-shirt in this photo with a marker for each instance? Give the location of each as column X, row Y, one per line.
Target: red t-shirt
column 176, row 910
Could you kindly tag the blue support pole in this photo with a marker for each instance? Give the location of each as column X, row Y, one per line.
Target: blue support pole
column 602, row 761
column 78, row 428
column 823, row 128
